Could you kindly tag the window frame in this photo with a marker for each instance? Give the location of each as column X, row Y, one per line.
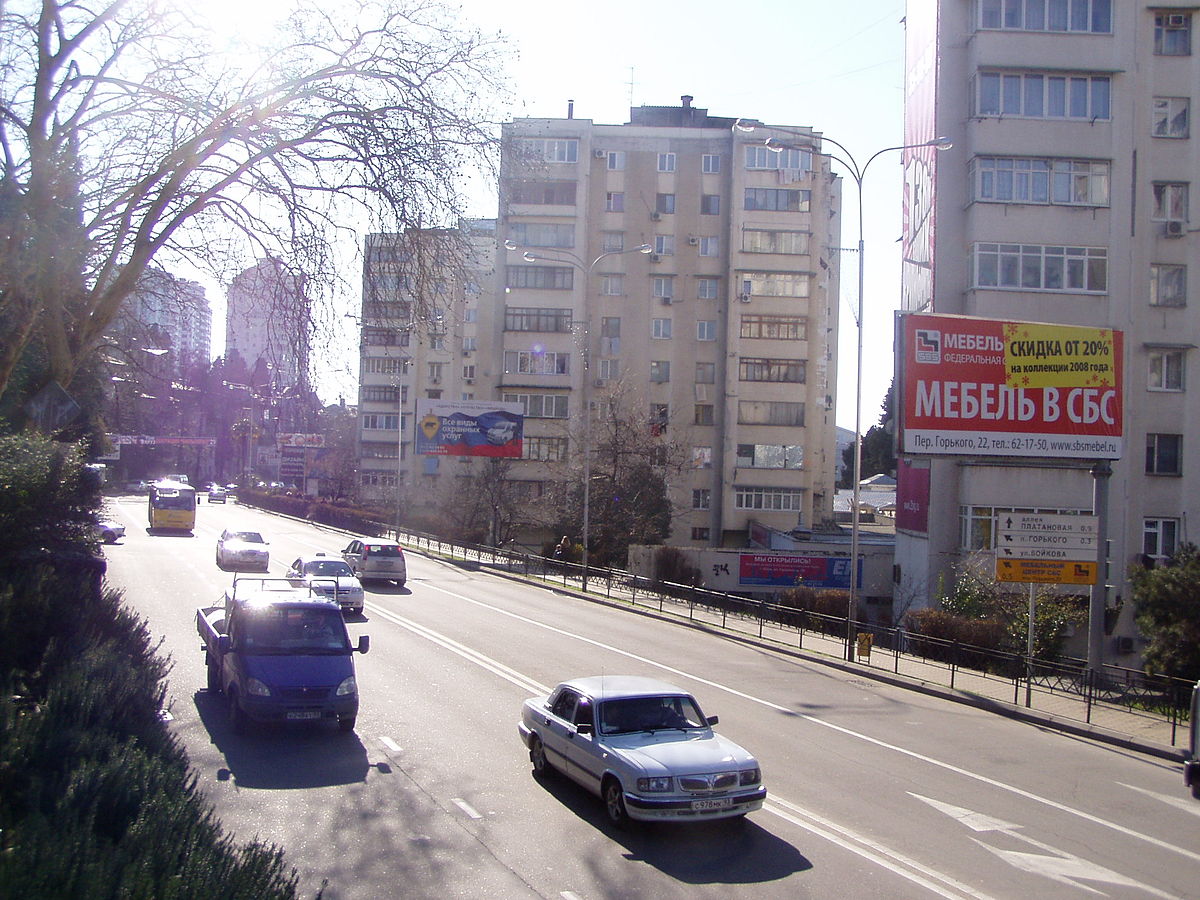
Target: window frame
column 1164, row 454
column 1166, row 370
column 1077, row 270
column 710, row 164
column 1168, row 282
column 667, row 161
column 1040, row 94
column 1164, row 31
column 660, row 328
column 1174, row 110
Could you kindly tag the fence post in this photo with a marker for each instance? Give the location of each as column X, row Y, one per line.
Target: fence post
column 953, row 663
column 724, row 609
column 1028, row 682
column 1089, row 680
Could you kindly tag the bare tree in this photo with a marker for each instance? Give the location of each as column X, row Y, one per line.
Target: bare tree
column 126, row 136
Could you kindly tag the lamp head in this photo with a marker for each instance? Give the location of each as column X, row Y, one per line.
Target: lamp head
column 644, row 248
column 510, row 245
column 744, row 125
column 528, row 257
column 942, row 143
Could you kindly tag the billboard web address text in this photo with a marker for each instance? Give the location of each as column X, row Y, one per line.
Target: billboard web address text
column 1001, row 444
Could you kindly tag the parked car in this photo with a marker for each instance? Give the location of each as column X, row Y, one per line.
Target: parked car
column 644, row 747
column 242, row 550
column 376, row 558
column 330, row 578
column 216, row 494
column 109, row 531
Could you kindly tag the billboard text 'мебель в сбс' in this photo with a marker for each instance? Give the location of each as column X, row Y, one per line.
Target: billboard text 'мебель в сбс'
column 987, row 387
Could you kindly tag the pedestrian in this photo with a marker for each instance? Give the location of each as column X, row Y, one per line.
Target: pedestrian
column 560, row 552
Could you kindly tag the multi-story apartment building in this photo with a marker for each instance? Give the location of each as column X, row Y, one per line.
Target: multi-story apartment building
column 1066, row 199
column 423, row 291
column 267, row 323
column 172, row 309
column 720, row 333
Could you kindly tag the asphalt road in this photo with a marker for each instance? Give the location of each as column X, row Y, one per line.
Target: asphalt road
column 873, row 791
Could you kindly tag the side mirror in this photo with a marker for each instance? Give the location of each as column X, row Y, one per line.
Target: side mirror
column 223, row 643
column 585, row 728
column 364, row 643
column 713, row 720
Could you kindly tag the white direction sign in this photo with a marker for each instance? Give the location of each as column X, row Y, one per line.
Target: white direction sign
column 1035, row 536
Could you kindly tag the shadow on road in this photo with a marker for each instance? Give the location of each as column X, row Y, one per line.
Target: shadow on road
column 379, row 587
column 283, row 757
column 724, row 851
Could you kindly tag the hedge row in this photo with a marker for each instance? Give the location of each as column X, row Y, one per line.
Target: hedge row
column 336, row 515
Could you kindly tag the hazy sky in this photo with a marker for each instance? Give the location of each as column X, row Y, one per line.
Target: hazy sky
column 837, row 67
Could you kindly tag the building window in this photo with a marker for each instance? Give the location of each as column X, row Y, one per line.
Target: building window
column 707, row 289
column 616, row 160
column 664, row 244
column 769, row 456
column 1163, row 452
column 550, row 150
column 710, row 204
column 610, row 369
column 380, row 394
column 701, row 498
column 386, row 365
column 471, row 315
column 790, row 371
column 435, row 371
column 380, row 421
column 1082, row 16
column 702, row 457
column 1043, row 95
column 663, row 287
column 706, row 373
column 1166, row 370
column 530, row 234
column 612, row 241
column 759, row 156
column 1170, row 117
column 776, row 284
column 710, row 246
column 1168, row 285
column 660, row 371
column 770, row 412
column 758, row 240
column 532, row 318
column 666, row 162
column 1160, row 538
column 775, row 499
column 610, row 336
column 437, row 342
column 1037, row 268
column 664, row 203
column 469, row 372
column 700, row 534
column 543, row 193
column 660, row 329
column 470, row 344
column 381, row 450
column 529, row 362
column 544, row 449
column 614, row 202
column 1170, row 201
column 1071, row 182
column 710, row 164
column 706, row 330
column 777, row 200
column 778, row 328
column 1173, row 34
column 526, row 491
column 703, row 414
column 433, row 395
column 612, row 285
column 540, row 406
column 556, row 278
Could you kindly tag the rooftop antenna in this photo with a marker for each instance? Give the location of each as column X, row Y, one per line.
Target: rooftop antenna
column 631, row 87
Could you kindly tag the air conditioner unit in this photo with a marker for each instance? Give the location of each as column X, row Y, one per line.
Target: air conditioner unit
column 655, row 257
column 435, row 381
column 745, row 298
column 1123, row 644
column 469, row 380
column 1173, row 229
column 667, row 301
column 466, row 353
column 599, row 154
column 655, row 217
column 1177, row 20
column 599, row 382
column 693, row 241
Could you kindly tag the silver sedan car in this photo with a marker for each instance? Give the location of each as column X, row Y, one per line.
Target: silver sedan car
column 242, row 550
column 330, row 578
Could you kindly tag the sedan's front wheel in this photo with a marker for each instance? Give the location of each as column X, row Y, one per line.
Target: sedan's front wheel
column 537, row 757
column 614, row 803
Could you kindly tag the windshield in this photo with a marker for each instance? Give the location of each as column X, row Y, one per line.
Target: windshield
column 171, row 498
column 381, row 550
column 286, row 629
column 330, row 568
column 250, row 537
column 650, row 714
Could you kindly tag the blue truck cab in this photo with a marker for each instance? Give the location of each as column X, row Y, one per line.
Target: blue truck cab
column 280, row 653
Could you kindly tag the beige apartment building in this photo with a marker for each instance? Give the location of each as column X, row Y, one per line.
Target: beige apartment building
column 1066, row 199
column 678, row 265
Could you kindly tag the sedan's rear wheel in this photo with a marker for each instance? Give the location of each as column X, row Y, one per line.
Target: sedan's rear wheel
column 614, row 802
column 537, row 757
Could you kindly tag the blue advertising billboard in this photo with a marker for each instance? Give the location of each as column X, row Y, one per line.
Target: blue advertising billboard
column 469, row 428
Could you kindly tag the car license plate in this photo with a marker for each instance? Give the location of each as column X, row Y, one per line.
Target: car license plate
column 304, row 714
column 718, row 803
column 384, row 565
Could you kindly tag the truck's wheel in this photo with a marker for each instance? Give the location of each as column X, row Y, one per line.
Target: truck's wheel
column 347, row 724
column 238, row 720
column 214, row 675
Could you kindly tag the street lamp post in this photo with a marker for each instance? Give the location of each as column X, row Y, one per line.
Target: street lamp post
column 586, row 268
column 857, row 173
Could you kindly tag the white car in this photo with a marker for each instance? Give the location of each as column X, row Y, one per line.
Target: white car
column 376, row 558
column 242, row 550
column 330, row 578
column 644, row 747
column 109, row 531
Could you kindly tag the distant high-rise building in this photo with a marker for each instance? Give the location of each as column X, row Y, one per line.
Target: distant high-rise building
column 267, row 325
column 172, row 311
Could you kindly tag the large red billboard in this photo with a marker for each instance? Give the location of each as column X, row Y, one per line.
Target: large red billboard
column 987, row 387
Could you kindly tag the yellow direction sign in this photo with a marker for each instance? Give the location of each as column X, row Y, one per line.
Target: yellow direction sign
column 1046, row 571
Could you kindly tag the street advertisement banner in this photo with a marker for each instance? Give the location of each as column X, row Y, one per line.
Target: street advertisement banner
column 469, row 428
column 300, row 440
column 989, row 387
column 912, row 497
column 152, row 440
column 787, row 570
